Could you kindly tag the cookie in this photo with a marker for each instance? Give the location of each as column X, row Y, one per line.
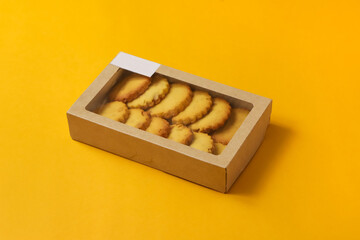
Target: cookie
column 159, row 126
column 224, row 134
column 117, row 111
column 138, row 118
column 218, row 148
column 157, row 90
column 215, row 119
column 129, row 88
column 199, row 106
column 181, row 134
column 203, row 142
column 175, row 101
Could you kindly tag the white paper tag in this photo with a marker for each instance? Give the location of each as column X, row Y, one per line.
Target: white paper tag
column 135, row 64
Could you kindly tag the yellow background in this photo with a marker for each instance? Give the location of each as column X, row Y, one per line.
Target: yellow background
column 303, row 183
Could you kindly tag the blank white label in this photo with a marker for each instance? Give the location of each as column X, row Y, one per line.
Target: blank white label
column 135, row 64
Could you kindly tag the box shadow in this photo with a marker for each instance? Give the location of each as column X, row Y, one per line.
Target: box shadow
column 264, row 160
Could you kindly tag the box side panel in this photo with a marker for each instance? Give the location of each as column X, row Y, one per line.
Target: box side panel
column 147, row 153
column 248, row 148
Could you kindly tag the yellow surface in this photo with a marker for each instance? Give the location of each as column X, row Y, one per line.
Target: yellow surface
column 303, row 183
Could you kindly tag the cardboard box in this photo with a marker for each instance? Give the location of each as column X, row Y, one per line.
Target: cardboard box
column 218, row 172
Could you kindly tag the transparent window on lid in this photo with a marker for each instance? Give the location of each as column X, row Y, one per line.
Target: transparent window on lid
column 173, row 109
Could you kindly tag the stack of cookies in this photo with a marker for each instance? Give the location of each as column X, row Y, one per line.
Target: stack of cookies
column 174, row 111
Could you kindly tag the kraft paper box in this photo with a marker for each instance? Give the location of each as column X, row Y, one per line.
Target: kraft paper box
column 218, row 172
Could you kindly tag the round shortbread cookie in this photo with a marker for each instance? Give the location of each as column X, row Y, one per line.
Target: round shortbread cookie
column 223, row 135
column 199, row 106
column 117, row 111
column 129, row 88
column 175, row 101
column 203, row 142
column 157, row 90
column 181, row 134
column 159, row 126
column 138, row 118
column 218, row 148
column 215, row 119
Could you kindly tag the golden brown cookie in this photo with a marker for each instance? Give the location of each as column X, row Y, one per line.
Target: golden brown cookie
column 199, row 106
column 203, row 142
column 117, row 111
column 129, row 88
column 175, row 101
column 224, row 134
column 138, row 118
column 159, row 126
column 215, row 119
column 218, row 148
column 181, row 134
column 153, row 95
